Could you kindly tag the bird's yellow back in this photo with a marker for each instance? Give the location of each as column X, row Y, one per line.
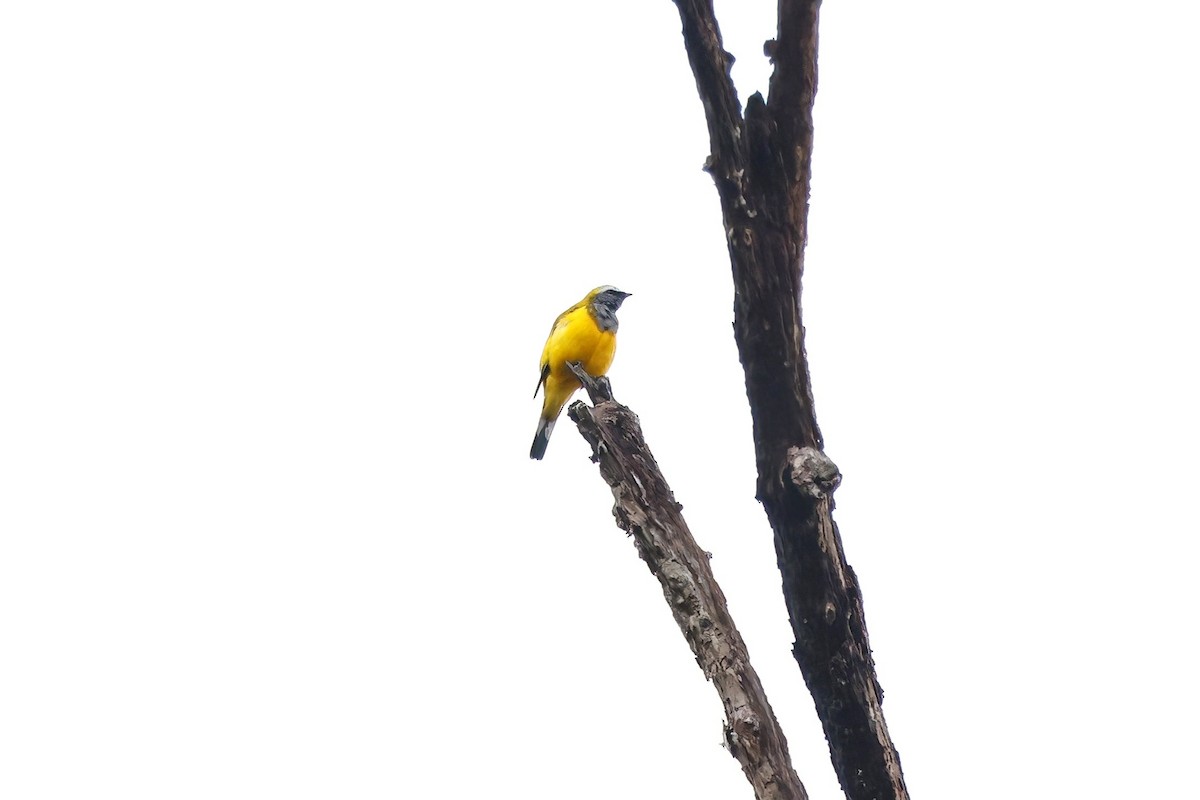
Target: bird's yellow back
column 575, row 337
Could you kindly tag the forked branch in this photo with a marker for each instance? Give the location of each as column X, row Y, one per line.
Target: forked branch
column 761, row 166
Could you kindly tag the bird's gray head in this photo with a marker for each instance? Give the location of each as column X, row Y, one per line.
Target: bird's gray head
column 605, row 302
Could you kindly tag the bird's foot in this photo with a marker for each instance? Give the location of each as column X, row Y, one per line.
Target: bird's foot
column 598, row 388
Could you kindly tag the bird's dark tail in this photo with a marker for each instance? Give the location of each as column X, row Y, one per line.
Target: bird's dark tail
column 541, row 438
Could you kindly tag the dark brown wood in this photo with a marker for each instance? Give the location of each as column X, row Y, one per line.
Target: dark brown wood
column 761, row 163
column 646, row 509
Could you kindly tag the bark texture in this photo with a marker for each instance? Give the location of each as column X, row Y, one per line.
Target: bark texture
column 760, row 163
column 646, row 509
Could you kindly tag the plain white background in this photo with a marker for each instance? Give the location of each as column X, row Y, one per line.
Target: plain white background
column 274, row 279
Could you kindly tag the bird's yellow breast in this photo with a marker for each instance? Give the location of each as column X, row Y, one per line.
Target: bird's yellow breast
column 577, row 337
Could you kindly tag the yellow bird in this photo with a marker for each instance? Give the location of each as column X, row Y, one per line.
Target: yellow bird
column 587, row 333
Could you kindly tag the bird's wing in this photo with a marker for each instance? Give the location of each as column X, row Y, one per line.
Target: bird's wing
column 542, row 379
column 560, row 322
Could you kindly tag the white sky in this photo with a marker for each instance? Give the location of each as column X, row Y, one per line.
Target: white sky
column 274, row 279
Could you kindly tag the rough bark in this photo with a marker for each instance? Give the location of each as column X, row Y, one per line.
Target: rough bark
column 646, row 509
column 760, row 163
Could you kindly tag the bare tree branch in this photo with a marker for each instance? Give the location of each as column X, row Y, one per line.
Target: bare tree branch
column 711, row 64
column 646, row 509
column 761, row 167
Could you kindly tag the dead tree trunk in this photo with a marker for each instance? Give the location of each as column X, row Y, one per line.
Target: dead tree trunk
column 760, row 164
